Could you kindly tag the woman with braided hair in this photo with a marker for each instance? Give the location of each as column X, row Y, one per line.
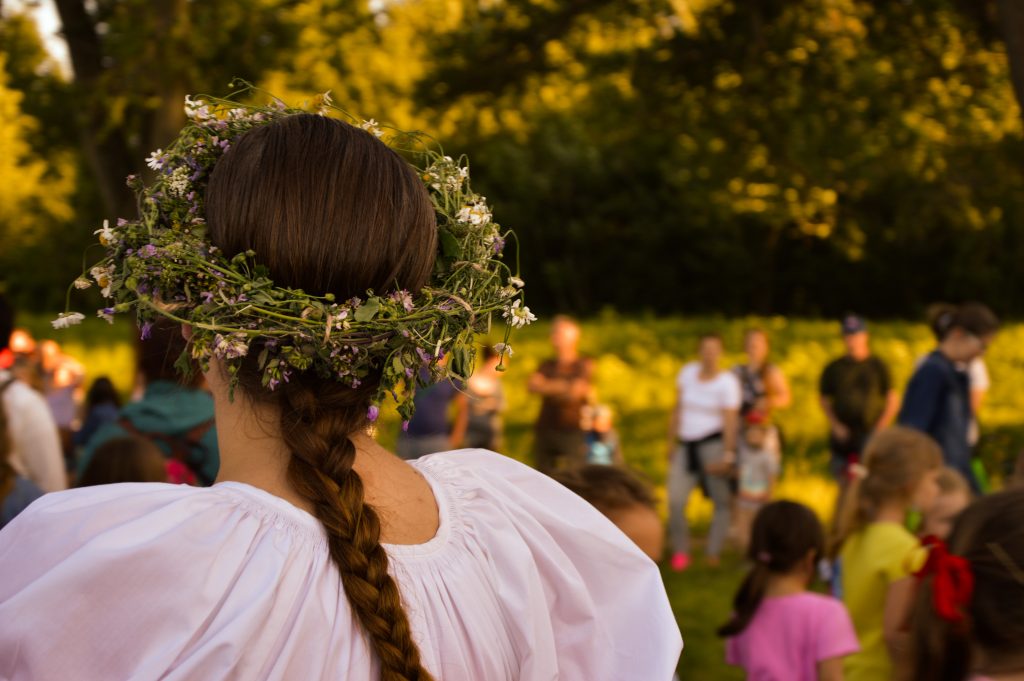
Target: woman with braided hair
column 318, row 554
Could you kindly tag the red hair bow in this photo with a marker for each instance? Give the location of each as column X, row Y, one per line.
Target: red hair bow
column 952, row 580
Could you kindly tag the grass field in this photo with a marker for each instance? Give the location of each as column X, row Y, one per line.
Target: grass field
column 637, row 360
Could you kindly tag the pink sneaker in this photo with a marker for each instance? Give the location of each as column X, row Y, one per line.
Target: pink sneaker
column 680, row 561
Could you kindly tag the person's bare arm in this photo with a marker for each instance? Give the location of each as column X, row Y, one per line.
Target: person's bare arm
column 461, row 419
column 779, row 394
column 831, row 669
column 731, row 417
column 977, row 400
column 892, row 408
column 840, row 431
column 582, row 387
column 898, row 601
column 540, row 384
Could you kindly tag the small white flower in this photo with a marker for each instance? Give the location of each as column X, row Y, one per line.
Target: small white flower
column 231, row 347
column 82, row 283
column 106, row 316
column 323, row 102
column 518, row 315
column 517, row 282
column 373, row 127
column 104, row 276
column 196, row 109
column 503, row 349
column 66, row 319
column 178, row 182
column 156, row 160
column 107, row 237
column 476, row 213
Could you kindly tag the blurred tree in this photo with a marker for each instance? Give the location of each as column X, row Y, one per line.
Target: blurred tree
column 35, row 191
column 803, row 156
column 135, row 60
column 718, row 156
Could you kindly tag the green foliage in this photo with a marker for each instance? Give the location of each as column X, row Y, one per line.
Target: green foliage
column 36, row 191
column 754, row 150
column 701, row 599
column 778, row 157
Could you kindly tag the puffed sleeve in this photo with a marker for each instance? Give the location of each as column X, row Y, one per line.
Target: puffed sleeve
column 585, row 601
column 157, row 581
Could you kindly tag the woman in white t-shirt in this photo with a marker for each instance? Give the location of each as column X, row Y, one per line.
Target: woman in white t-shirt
column 702, row 447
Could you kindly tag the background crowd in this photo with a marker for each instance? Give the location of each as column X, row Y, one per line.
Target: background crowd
column 897, row 482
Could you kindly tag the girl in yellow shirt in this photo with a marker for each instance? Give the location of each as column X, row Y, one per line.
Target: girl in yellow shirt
column 874, row 550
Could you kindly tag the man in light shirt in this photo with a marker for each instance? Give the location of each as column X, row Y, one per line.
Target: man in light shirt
column 34, row 445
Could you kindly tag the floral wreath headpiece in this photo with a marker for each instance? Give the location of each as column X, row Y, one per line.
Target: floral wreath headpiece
column 162, row 264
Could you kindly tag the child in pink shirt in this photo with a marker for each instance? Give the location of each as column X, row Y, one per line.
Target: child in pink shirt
column 779, row 631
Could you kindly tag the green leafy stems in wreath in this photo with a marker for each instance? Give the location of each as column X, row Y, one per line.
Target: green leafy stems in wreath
column 162, row 264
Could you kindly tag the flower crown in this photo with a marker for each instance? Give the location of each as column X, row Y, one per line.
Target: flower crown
column 163, row 265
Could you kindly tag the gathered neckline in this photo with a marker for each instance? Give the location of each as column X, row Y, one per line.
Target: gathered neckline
column 264, row 503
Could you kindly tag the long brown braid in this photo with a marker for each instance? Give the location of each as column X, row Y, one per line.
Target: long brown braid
column 316, row 425
column 329, row 208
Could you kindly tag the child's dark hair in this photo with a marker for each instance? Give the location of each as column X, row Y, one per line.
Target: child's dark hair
column 783, row 535
column 990, row 640
column 102, row 391
column 158, row 352
column 125, row 459
column 974, row 318
column 607, row 488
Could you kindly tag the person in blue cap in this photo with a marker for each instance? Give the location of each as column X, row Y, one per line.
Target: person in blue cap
column 857, row 397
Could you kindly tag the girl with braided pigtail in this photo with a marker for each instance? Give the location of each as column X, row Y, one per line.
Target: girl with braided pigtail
column 318, row 554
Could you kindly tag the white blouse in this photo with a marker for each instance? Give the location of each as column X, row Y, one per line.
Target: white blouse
column 523, row 580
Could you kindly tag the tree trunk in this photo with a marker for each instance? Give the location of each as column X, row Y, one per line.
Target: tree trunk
column 105, row 147
column 1012, row 14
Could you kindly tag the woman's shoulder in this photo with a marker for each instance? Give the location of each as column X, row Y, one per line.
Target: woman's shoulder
column 194, row 580
column 80, row 526
column 820, row 606
column 577, row 588
column 688, row 371
column 508, row 509
column 480, row 474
